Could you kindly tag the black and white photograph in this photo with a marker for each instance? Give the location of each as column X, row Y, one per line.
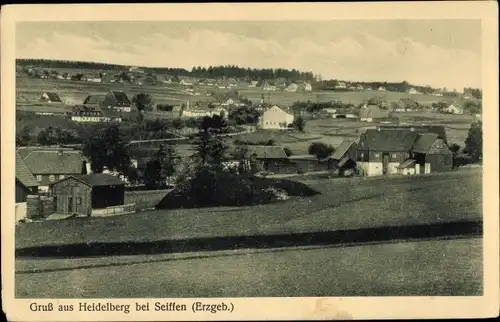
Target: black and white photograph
column 253, row 158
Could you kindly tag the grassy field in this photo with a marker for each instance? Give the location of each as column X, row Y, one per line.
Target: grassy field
column 423, row 268
column 343, row 204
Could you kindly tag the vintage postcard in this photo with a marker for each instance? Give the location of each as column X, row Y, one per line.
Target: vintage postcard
column 180, row 162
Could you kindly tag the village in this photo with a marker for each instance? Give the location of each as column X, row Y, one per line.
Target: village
column 375, row 137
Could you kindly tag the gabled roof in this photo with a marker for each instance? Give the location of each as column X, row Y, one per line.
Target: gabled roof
column 373, row 111
column 52, row 96
column 120, row 97
column 285, row 109
column 341, row 150
column 94, row 99
column 98, row 179
column 23, row 173
column 55, row 162
column 389, row 140
column 423, row 142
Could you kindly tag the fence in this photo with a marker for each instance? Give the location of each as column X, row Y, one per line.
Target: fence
column 115, row 210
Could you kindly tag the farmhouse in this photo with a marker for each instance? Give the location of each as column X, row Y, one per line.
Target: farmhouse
column 50, row 165
column 307, row 87
column 413, row 91
column 25, row 185
column 269, row 158
column 405, row 151
column 113, row 100
column 187, row 81
column 50, row 97
column 381, row 89
column 92, row 194
column 373, row 113
column 277, row 118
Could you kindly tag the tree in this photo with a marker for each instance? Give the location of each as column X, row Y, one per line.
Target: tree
column 23, row 137
column 106, row 148
column 320, row 150
column 299, row 123
column 161, row 168
column 454, row 148
column 241, row 154
column 177, row 123
column 474, row 142
column 209, row 144
column 143, row 101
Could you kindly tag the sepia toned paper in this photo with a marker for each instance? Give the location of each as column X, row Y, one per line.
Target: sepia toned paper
column 240, row 280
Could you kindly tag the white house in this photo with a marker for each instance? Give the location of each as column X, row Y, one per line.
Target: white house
column 341, row 85
column 413, row 91
column 253, row 84
column 292, row 87
column 277, row 118
column 307, row 87
column 454, row 109
column 381, row 89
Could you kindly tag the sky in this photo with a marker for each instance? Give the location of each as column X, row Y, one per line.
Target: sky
column 439, row 53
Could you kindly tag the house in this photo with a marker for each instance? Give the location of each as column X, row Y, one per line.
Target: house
column 90, row 195
column 271, row 158
column 199, row 110
column 94, row 79
column 277, row 118
column 454, row 109
column 253, row 84
column 187, row 81
column 26, row 185
column 88, row 114
column 305, row 163
column 341, row 85
column 292, row 87
column 134, row 69
column 382, row 152
column 268, row 86
column 373, row 113
column 344, row 156
column 113, row 100
column 307, row 87
column 413, row 91
column 243, row 84
column 50, row 97
column 231, row 82
column 49, row 165
column 381, row 89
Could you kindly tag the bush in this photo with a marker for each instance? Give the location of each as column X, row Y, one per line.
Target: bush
column 209, row 188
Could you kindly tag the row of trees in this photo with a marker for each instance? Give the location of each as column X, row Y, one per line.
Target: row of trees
column 233, row 71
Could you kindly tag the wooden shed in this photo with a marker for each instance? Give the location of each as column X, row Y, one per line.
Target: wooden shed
column 82, row 194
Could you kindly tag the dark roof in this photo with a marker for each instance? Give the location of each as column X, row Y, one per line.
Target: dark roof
column 99, row 179
column 121, row 97
column 95, row 99
column 52, row 96
column 341, row 150
column 424, row 142
column 23, row 173
column 55, row 162
column 392, row 141
column 438, row 129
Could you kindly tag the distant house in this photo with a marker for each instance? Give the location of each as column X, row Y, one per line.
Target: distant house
column 413, row 91
column 341, row 85
column 277, row 118
column 112, row 100
column 138, row 70
column 360, row 87
column 210, row 82
column 307, row 87
column 49, row 165
column 373, row 113
column 381, row 89
column 87, row 114
column 270, row 158
column 201, row 110
column 381, row 152
column 243, row 84
column 268, row 86
column 94, row 79
column 231, row 82
column 344, row 156
column 187, row 81
column 92, row 194
column 253, row 84
column 292, row 87
column 454, row 109
column 50, row 97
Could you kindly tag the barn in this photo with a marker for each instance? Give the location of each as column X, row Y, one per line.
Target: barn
column 87, row 194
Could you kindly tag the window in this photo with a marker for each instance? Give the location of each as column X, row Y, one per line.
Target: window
column 52, row 178
column 38, row 178
column 78, row 200
column 377, row 155
column 61, row 176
